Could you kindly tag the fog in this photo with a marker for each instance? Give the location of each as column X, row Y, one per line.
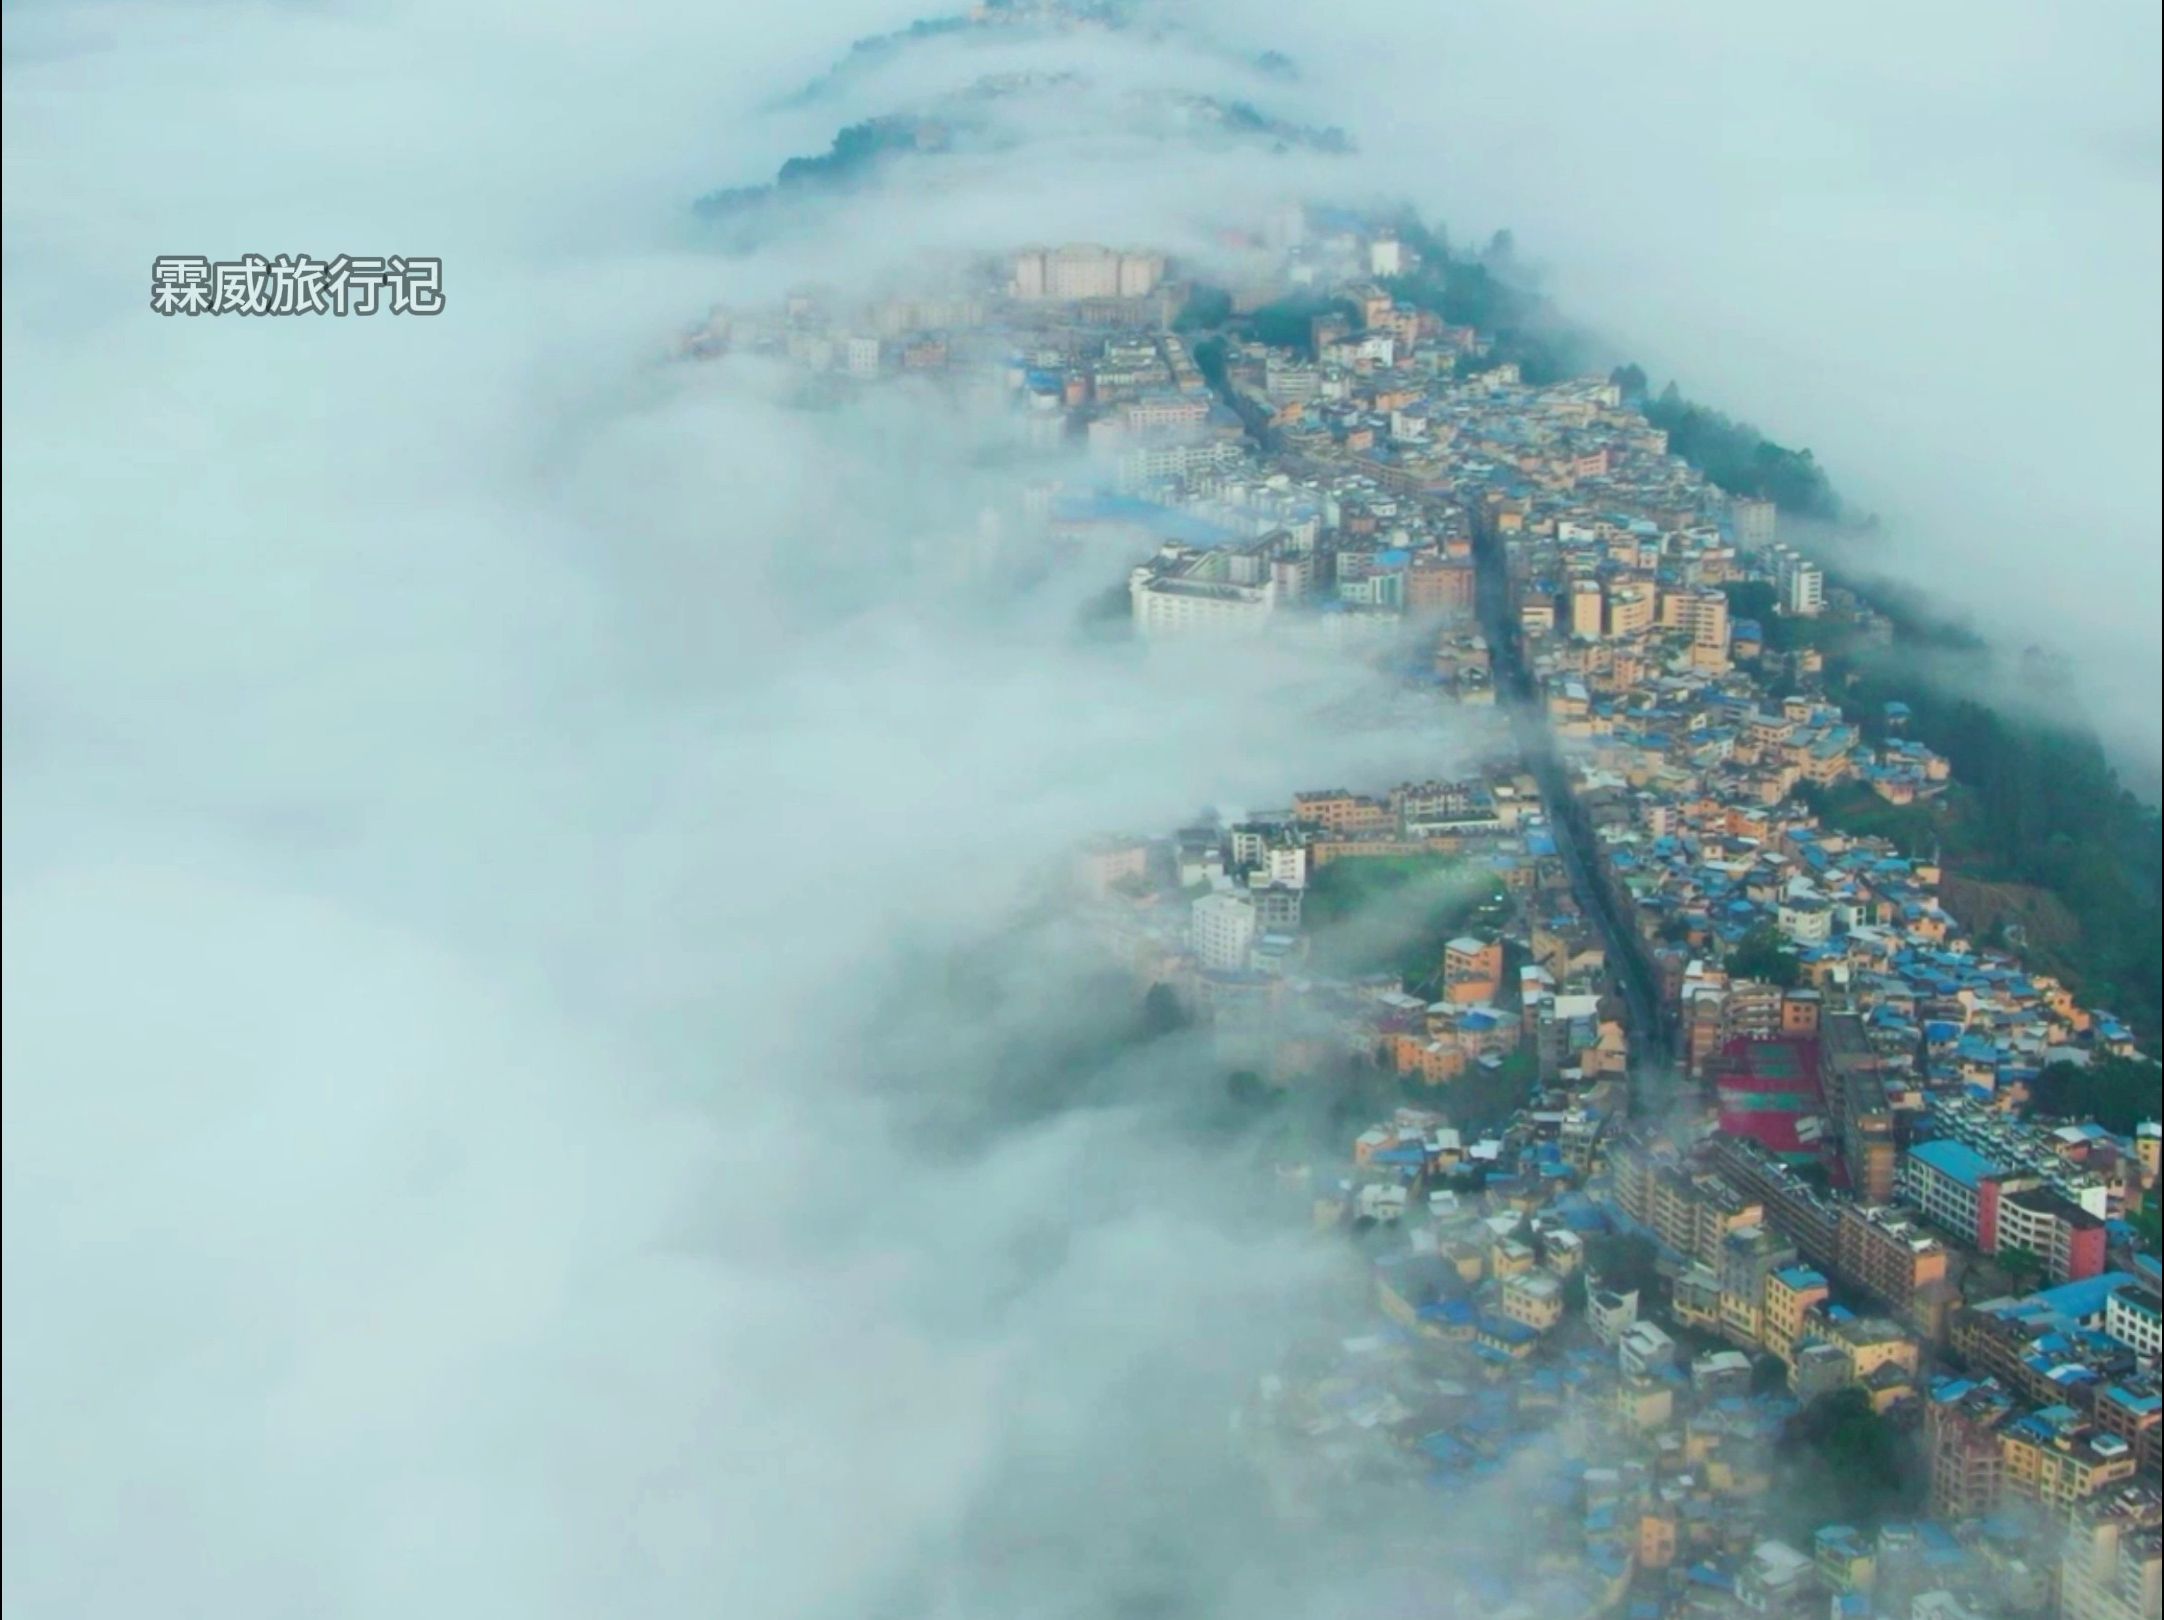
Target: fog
column 491, row 1126
column 1921, row 241
column 536, row 1038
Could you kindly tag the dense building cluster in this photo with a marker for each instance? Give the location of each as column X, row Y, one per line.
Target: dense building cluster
column 1700, row 1128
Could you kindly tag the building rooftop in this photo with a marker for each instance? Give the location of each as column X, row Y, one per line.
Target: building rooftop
column 1954, row 1159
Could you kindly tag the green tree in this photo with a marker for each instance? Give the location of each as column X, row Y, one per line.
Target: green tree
column 1289, row 323
column 1206, row 307
column 1739, row 459
column 1162, row 1013
column 1621, row 1262
column 2149, row 1223
column 1845, row 1461
column 1483, row 1097
column 2118, row 1093
column 1761, row 954
column 1752, row 599
column 2024, row 1268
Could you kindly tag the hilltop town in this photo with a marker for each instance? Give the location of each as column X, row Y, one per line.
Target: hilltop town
column 1690, row 1142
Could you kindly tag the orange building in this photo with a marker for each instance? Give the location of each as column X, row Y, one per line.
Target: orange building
column 1472, row 969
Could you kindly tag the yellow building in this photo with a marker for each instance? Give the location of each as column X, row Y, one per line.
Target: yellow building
column 1845, row 1558
column 1656, row 1541
column 1510, row 1258
column 1874, row 1344
column 1534, row 1298
column 1696, row 1300
column 2055, row 1459
column 1790, row 1294
column 1644, row 1403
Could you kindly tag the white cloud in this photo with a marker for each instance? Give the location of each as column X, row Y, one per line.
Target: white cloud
column 471, row 794
column 473, row 799
column 1922, row 241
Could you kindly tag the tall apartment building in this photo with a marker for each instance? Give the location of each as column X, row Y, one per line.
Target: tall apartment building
column 1585, row 609
column 2057, row 1459
column 1185, row 591
column 1081, row 271
column 1959, row 1189
column 1277, row 907
column 1690, row 1213
column 1791, row 1292
column 2113, row 1565
column 1222, row 929
column 1749, row 1256
column 1631, row 611
column 2134, row 1315
column 1875, row 1250
column 1702, row 615
column 1853, row 1078
column 2066, row 1237
column 1752, row 1010
column 1962, row 1418
column 1755, row 522
column 1104, row 862
column 2133, row 1409
column 1803, row 585
column 1984, row 1451
column 1439, row 585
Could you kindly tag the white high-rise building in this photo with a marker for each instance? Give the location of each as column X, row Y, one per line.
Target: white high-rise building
column 1803, row 586
column 1287, row 865
column 1169, row 604
column 1222, row 930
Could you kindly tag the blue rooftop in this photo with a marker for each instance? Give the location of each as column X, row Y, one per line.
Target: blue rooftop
column 1961, row 1163
column 2084, row 1299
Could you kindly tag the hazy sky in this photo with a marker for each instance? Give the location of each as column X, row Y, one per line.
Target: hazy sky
column 475, row 803
column 1920, row 240
column 473, row 796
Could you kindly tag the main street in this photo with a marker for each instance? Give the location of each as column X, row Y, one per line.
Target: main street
column 1652, row 1061
column 1653, row 1072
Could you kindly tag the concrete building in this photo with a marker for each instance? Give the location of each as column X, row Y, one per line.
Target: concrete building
column 2113, row 1566
column 1609, row 1314
column 1105, row 862
column 2056, row 1458
column 1803, row 587
column 1644, row 1350
column 1083, row 271
column 1956, row 1188
column 1962, row 1417
column 1755, row 522
column 1534, row 1298
column 2068, row 1239
column 2131, row 1316
column 1631, row 610
column 1790, row 1294
column 1585, row 609
column 1222, row 930
column 1701, row 615
column 1194, row 597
